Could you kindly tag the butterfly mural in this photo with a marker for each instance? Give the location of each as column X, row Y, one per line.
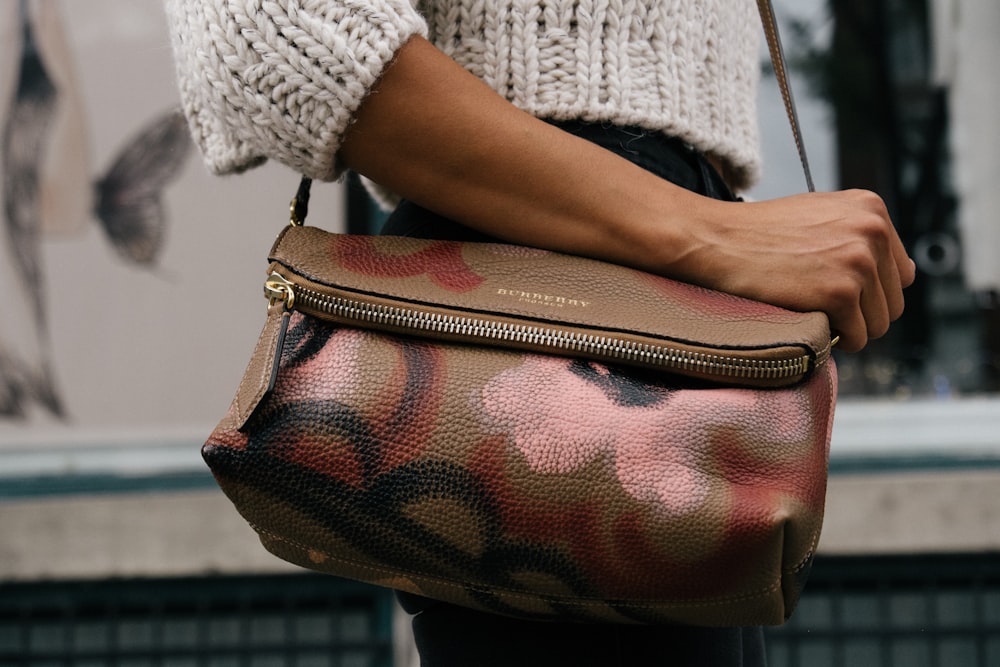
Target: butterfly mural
column 46, row 187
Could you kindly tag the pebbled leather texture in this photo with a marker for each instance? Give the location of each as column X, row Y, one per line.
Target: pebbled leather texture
column 531, row 485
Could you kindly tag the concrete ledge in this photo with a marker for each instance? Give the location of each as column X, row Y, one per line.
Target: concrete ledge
column 959, row 430
column 129, row 535
column 922, row 512
column 192, row 533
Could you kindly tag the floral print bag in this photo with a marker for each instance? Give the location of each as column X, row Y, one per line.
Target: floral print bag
column 531, row 433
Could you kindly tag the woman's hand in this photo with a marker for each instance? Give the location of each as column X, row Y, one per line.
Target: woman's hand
column 436, row 135
column 836, row 252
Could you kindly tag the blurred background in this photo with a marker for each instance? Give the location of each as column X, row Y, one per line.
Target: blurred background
column 132, row 303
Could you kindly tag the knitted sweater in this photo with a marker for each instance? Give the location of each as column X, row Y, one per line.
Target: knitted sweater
column 282, row 79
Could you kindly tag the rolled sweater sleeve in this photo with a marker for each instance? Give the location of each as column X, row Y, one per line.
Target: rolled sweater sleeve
column 281, row 79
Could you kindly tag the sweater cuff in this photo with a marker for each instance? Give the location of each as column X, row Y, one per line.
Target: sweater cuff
column 280, row 79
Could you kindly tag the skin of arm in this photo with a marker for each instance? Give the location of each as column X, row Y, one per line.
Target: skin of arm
column 438, row 136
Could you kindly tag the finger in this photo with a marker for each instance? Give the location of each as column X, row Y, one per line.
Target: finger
column 872, row 268
column 905, row 267
column 907, row 272
column 875, row 310
column 892, row 287
column 895, row 271
column 850, row 327
column 883, row 302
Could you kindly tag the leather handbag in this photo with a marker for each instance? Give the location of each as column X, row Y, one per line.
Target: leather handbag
column 529, row 433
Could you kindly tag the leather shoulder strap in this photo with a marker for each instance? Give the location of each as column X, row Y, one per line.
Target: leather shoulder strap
column 780, row 71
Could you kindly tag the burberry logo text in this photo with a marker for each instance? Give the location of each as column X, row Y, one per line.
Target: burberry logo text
column 537, row 299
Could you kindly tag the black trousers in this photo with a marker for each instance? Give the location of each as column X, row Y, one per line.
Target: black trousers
column 451, row 636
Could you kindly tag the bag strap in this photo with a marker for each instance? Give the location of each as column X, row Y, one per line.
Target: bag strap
column 767, row 18
column 300, row 203
column 299, row 208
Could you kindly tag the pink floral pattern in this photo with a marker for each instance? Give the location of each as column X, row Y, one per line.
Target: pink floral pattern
column 440, row 260
column 662, row 451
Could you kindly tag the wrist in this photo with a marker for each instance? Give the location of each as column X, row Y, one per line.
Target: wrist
column 674, row 232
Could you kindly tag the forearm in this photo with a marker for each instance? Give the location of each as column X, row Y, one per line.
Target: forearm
column 438, row 136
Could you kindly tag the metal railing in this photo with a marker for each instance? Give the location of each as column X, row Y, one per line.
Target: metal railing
column 303, row 621
column 904, row 611
column 900, row 611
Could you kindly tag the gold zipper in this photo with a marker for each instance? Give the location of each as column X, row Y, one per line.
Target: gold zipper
column 411, row 319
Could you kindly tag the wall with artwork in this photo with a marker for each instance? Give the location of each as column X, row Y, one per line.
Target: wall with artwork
column 131, row 278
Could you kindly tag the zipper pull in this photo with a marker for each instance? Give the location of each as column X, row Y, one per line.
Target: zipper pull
column 278, row 288
column 262, row 372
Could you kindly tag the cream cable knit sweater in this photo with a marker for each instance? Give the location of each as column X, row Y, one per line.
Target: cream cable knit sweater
column 282, row 79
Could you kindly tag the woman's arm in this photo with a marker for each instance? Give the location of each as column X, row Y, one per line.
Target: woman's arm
column 438, row 136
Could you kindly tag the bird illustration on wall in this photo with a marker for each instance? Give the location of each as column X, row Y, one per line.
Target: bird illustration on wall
column 46, row 188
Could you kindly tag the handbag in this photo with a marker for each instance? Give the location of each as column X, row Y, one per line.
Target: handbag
column 530, row 433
